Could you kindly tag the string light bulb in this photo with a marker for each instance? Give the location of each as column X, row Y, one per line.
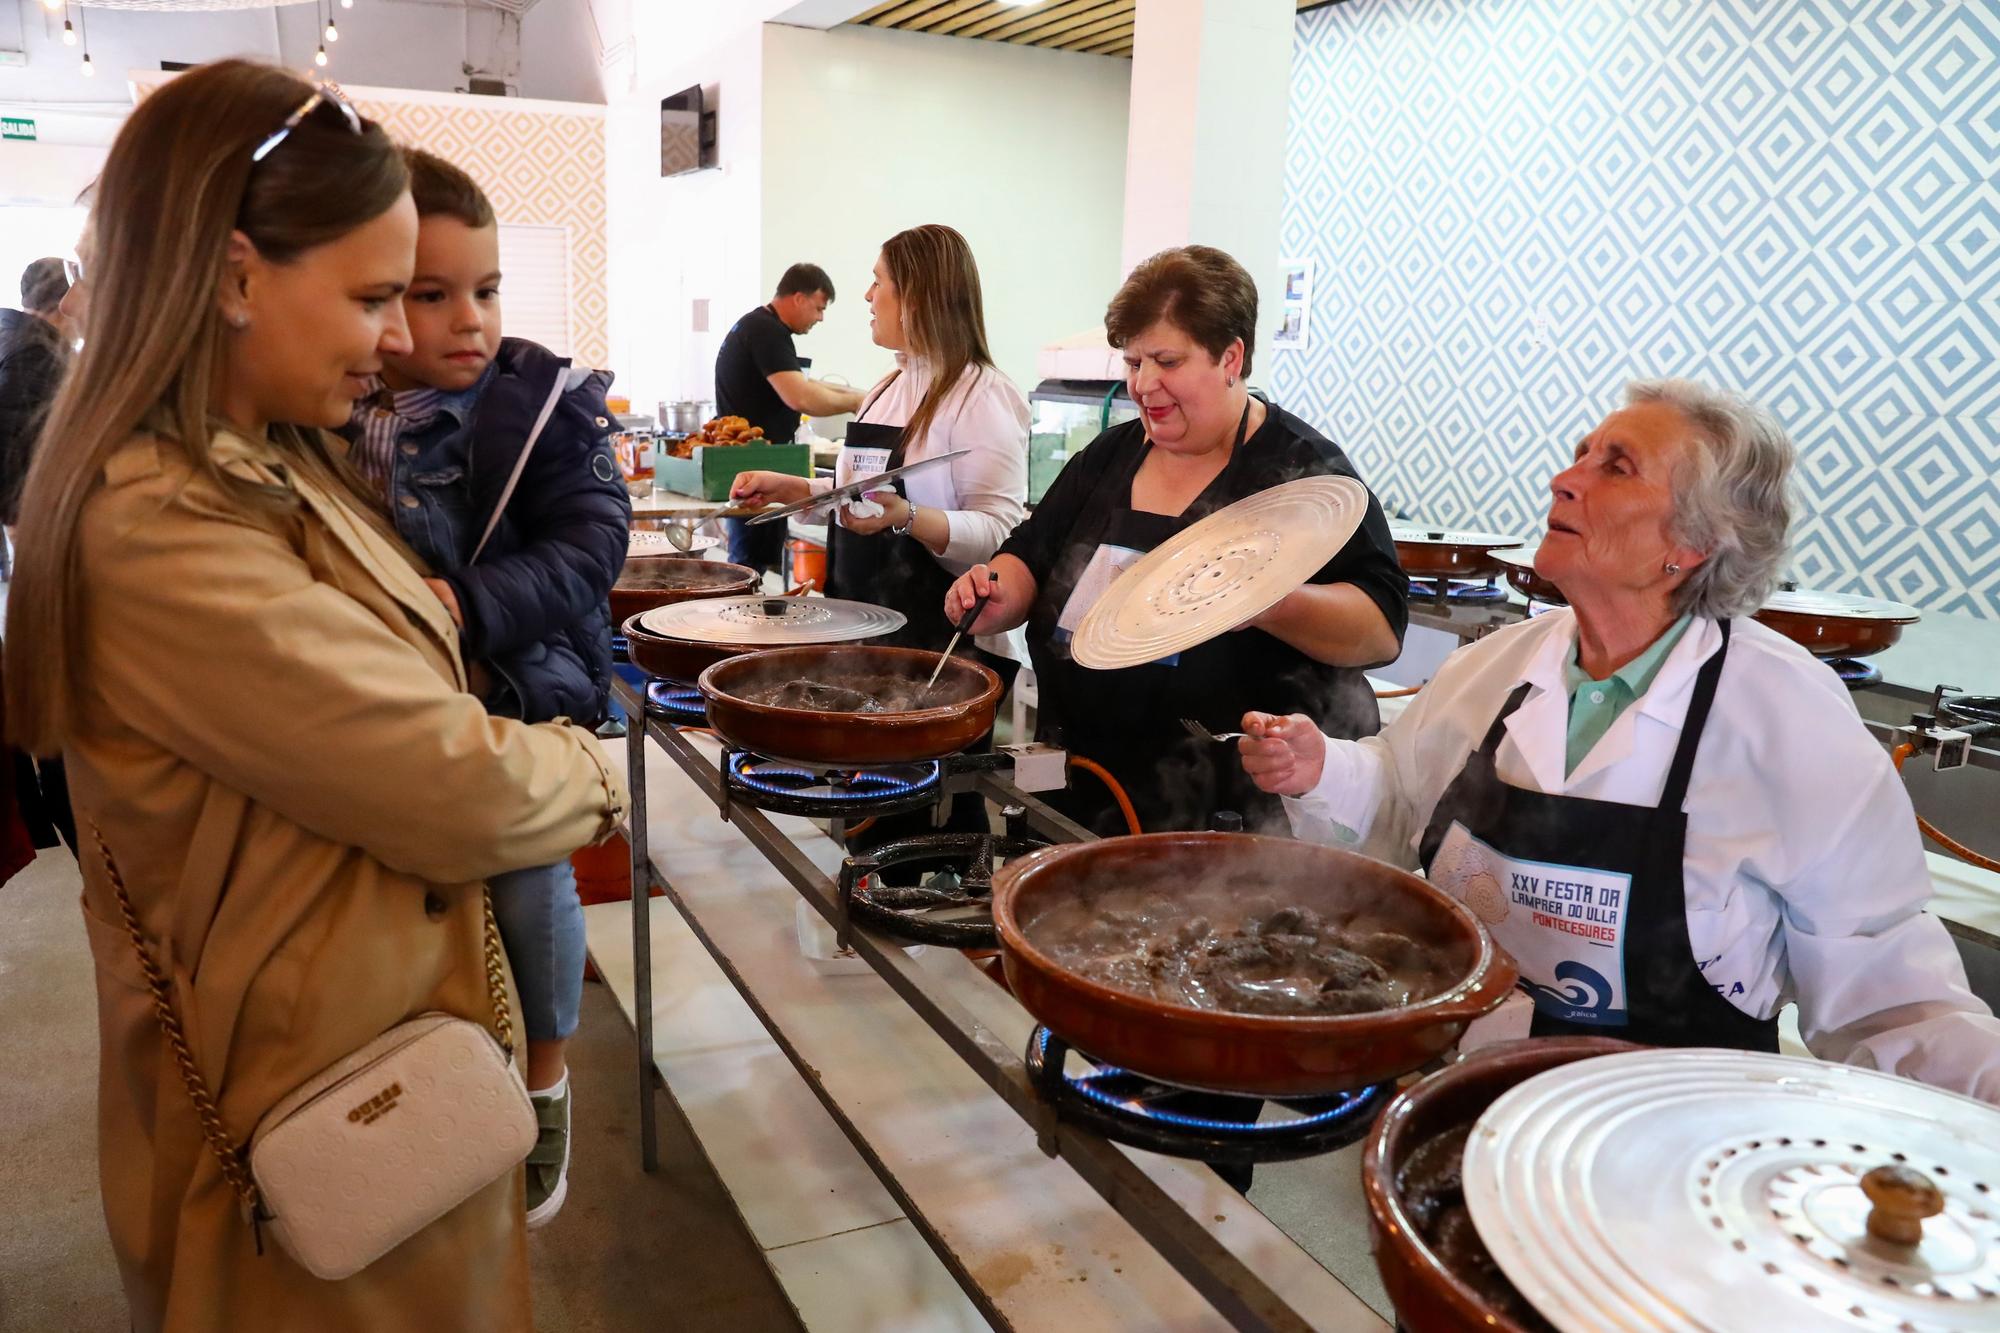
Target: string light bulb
column 89, row 70
column 332, row 33
column 319, row 57
column 347, row 4
column 53, row 5
column 69, row 33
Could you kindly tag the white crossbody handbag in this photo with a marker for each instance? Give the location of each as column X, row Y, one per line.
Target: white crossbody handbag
column 381, row 1144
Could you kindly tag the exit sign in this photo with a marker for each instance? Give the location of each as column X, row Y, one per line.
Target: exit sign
column 16, row 127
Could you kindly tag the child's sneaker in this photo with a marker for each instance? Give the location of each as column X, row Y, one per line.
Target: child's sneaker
column 548, row 1161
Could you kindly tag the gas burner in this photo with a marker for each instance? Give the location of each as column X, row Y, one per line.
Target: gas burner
column 1457, row 590
column 1138, row 1111
column 957, row 915
column 1971, row 710
column 619, row 654
column 675, row 701
column 1854, row 673
column 795, row 789
column 1537, row 607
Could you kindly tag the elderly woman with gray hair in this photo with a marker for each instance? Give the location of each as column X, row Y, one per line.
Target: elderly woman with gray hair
column 1670, row 815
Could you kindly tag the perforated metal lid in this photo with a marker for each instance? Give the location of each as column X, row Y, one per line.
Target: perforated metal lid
column 1722, row 1190
column 1807, row 602
column 771, row 621
column 1220, row 571
column 1416, row 536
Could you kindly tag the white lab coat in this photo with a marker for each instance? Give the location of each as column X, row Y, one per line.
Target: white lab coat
column 1804, row 871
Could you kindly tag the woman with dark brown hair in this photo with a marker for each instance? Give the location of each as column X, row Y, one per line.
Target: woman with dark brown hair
column 262, row 707
column 902, row 547
column 1186, row 320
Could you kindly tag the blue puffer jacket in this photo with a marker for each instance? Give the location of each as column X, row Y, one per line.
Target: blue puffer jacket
column 536, row 604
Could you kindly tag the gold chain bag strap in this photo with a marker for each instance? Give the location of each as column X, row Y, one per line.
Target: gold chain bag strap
column 379, row 1145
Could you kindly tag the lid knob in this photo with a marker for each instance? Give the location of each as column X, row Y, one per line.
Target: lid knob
column 774, row 606
column 1903, row 1198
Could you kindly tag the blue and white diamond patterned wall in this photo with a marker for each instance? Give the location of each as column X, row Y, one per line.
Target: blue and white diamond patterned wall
column 1516, row 205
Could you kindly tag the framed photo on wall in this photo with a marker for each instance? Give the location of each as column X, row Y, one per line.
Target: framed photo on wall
column 1295, row 305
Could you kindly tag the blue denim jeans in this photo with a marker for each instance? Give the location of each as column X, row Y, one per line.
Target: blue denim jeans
column 541, row 923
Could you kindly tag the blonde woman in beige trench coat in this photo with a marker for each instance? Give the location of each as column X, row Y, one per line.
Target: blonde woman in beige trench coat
column 262, row 705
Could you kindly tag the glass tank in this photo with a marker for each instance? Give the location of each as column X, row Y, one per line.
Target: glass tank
column 1067, row 415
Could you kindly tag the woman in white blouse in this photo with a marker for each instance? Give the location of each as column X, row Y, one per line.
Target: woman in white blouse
column 903, row 545
column 1670, row 815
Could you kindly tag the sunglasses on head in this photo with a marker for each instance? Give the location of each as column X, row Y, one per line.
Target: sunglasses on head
column 327, row 93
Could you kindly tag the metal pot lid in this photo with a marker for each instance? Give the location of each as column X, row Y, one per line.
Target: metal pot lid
column 761, row 621
column 646, row 541
column 1220, row 571
column 1722, row 1190
column 1839, row 605
column 1520, row 557
column 1415, row 536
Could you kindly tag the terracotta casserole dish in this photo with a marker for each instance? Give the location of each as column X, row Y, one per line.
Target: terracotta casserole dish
column 648, row 581
column 1431, row 1296
column 914, row 724
column 1224, row 877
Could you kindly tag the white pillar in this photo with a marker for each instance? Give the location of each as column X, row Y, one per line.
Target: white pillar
column 1205, row 149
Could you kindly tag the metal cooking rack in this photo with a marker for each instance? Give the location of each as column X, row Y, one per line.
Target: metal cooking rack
column 1238, row 1293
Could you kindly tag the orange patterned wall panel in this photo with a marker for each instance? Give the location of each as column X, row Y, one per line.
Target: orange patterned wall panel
column 540, row 167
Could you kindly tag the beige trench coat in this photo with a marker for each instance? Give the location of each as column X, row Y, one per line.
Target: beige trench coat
column 303, row 800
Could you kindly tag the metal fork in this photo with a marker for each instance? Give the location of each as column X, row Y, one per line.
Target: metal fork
column 1201, row 733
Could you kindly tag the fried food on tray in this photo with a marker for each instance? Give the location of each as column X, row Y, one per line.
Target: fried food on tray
column 720, row 431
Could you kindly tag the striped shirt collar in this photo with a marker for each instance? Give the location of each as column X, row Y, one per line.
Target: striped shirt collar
column 384, row 415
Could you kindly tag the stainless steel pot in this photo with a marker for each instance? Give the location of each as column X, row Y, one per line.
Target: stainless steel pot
column 684, row 417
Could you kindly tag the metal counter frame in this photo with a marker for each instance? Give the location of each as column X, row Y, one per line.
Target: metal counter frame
column 1239, row 1294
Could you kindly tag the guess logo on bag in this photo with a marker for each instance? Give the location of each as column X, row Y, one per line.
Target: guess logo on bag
column 377, row 1106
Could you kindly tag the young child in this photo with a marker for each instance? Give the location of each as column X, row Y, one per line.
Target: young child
column 441, row 439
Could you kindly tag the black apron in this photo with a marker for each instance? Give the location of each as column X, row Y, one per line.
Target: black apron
column 1128, row 720
column 887, row 569
column 1589, row 896
column 899, row 573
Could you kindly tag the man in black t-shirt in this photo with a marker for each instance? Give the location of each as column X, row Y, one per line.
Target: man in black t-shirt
column 758, row 377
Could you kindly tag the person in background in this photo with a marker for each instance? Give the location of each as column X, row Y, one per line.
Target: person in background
column 446, row 428
column 33, row 353
column 758, row 376
column 264, row 710
column 905, row 545
column 1727, row 836
column 32, row 345
column 1186, row 321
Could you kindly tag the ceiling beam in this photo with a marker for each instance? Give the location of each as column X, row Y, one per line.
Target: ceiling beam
column 902, row 12
column 1006, row 24
column 1048, row 33
column 1098, row 43
column 962, row 26
column 1082, row 34
column 946, row 13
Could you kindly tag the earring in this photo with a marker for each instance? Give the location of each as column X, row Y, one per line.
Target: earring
column 1232, row 381
column 239, row 321
column 1673, row 569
